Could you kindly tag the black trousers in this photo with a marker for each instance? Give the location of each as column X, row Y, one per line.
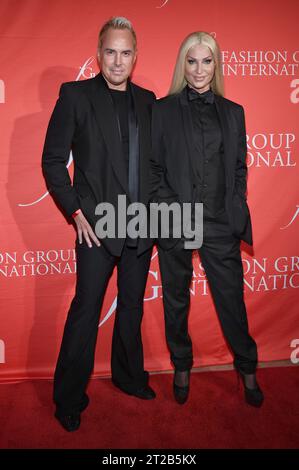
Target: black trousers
column 221, row 260
column 76, row 358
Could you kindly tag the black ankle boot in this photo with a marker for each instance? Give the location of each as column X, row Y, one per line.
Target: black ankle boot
column 181, row 393
column 253, row 396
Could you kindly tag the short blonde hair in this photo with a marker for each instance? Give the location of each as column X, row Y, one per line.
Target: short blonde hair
column 117, row 22
column 178, row 79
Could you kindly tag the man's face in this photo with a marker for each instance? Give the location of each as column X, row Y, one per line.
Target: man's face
column 117, row 57
column 199, row 68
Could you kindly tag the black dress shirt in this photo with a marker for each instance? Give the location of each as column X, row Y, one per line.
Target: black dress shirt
column 207, row 162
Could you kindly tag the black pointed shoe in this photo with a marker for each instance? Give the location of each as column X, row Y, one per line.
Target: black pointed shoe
column 181, row 393
column 69, row 422
column 145, row 393
column 253, row 396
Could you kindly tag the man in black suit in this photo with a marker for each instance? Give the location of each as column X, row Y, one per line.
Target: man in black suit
column 106, row 122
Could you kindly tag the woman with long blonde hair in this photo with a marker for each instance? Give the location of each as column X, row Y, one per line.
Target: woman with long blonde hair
column 199, row 156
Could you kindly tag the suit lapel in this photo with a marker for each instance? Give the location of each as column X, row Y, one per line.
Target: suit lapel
column 143, row 123
column 103, row 107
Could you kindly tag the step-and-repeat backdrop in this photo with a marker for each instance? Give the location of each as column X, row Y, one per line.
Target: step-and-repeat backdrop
column 45, row 43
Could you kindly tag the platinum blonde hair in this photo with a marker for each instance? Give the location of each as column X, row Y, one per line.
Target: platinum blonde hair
column 178, row 79
column 116, row 22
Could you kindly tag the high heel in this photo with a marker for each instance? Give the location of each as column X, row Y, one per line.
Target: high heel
column 181, row 393
column 253, row 396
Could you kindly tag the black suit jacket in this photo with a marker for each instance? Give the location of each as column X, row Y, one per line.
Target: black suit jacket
column 173, row 145
column 84, row 121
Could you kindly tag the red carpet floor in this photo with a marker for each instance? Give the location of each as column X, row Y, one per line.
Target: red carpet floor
column 215, row 415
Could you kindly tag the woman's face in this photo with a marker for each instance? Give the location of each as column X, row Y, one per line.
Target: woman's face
column 199, row 67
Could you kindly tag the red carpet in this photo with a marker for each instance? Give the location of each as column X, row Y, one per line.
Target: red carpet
column 215, row 415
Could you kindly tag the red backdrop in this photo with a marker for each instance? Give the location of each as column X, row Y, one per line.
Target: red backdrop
column 45, row 43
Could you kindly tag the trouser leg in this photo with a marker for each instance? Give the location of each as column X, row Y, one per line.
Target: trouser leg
column 221, row 259
column 76, row 358
column 127, row 350
column 176, row 273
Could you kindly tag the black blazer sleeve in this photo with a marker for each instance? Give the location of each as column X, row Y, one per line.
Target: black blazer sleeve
column 241, row 166
column 56, row 152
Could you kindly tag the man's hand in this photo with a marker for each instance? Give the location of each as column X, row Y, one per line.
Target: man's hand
column 84, row 228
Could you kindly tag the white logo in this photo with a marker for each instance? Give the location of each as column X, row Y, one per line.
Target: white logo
column 294, row 355
column 2, row 91
column 85, row 71
column 292, row 220
column 260, row 63
column 114, row 303
column 37, row 263
column 262, row 275
column 163, row 4
column 295, row 93
column 270, row 150
column 2, row 351
column 47, row 192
